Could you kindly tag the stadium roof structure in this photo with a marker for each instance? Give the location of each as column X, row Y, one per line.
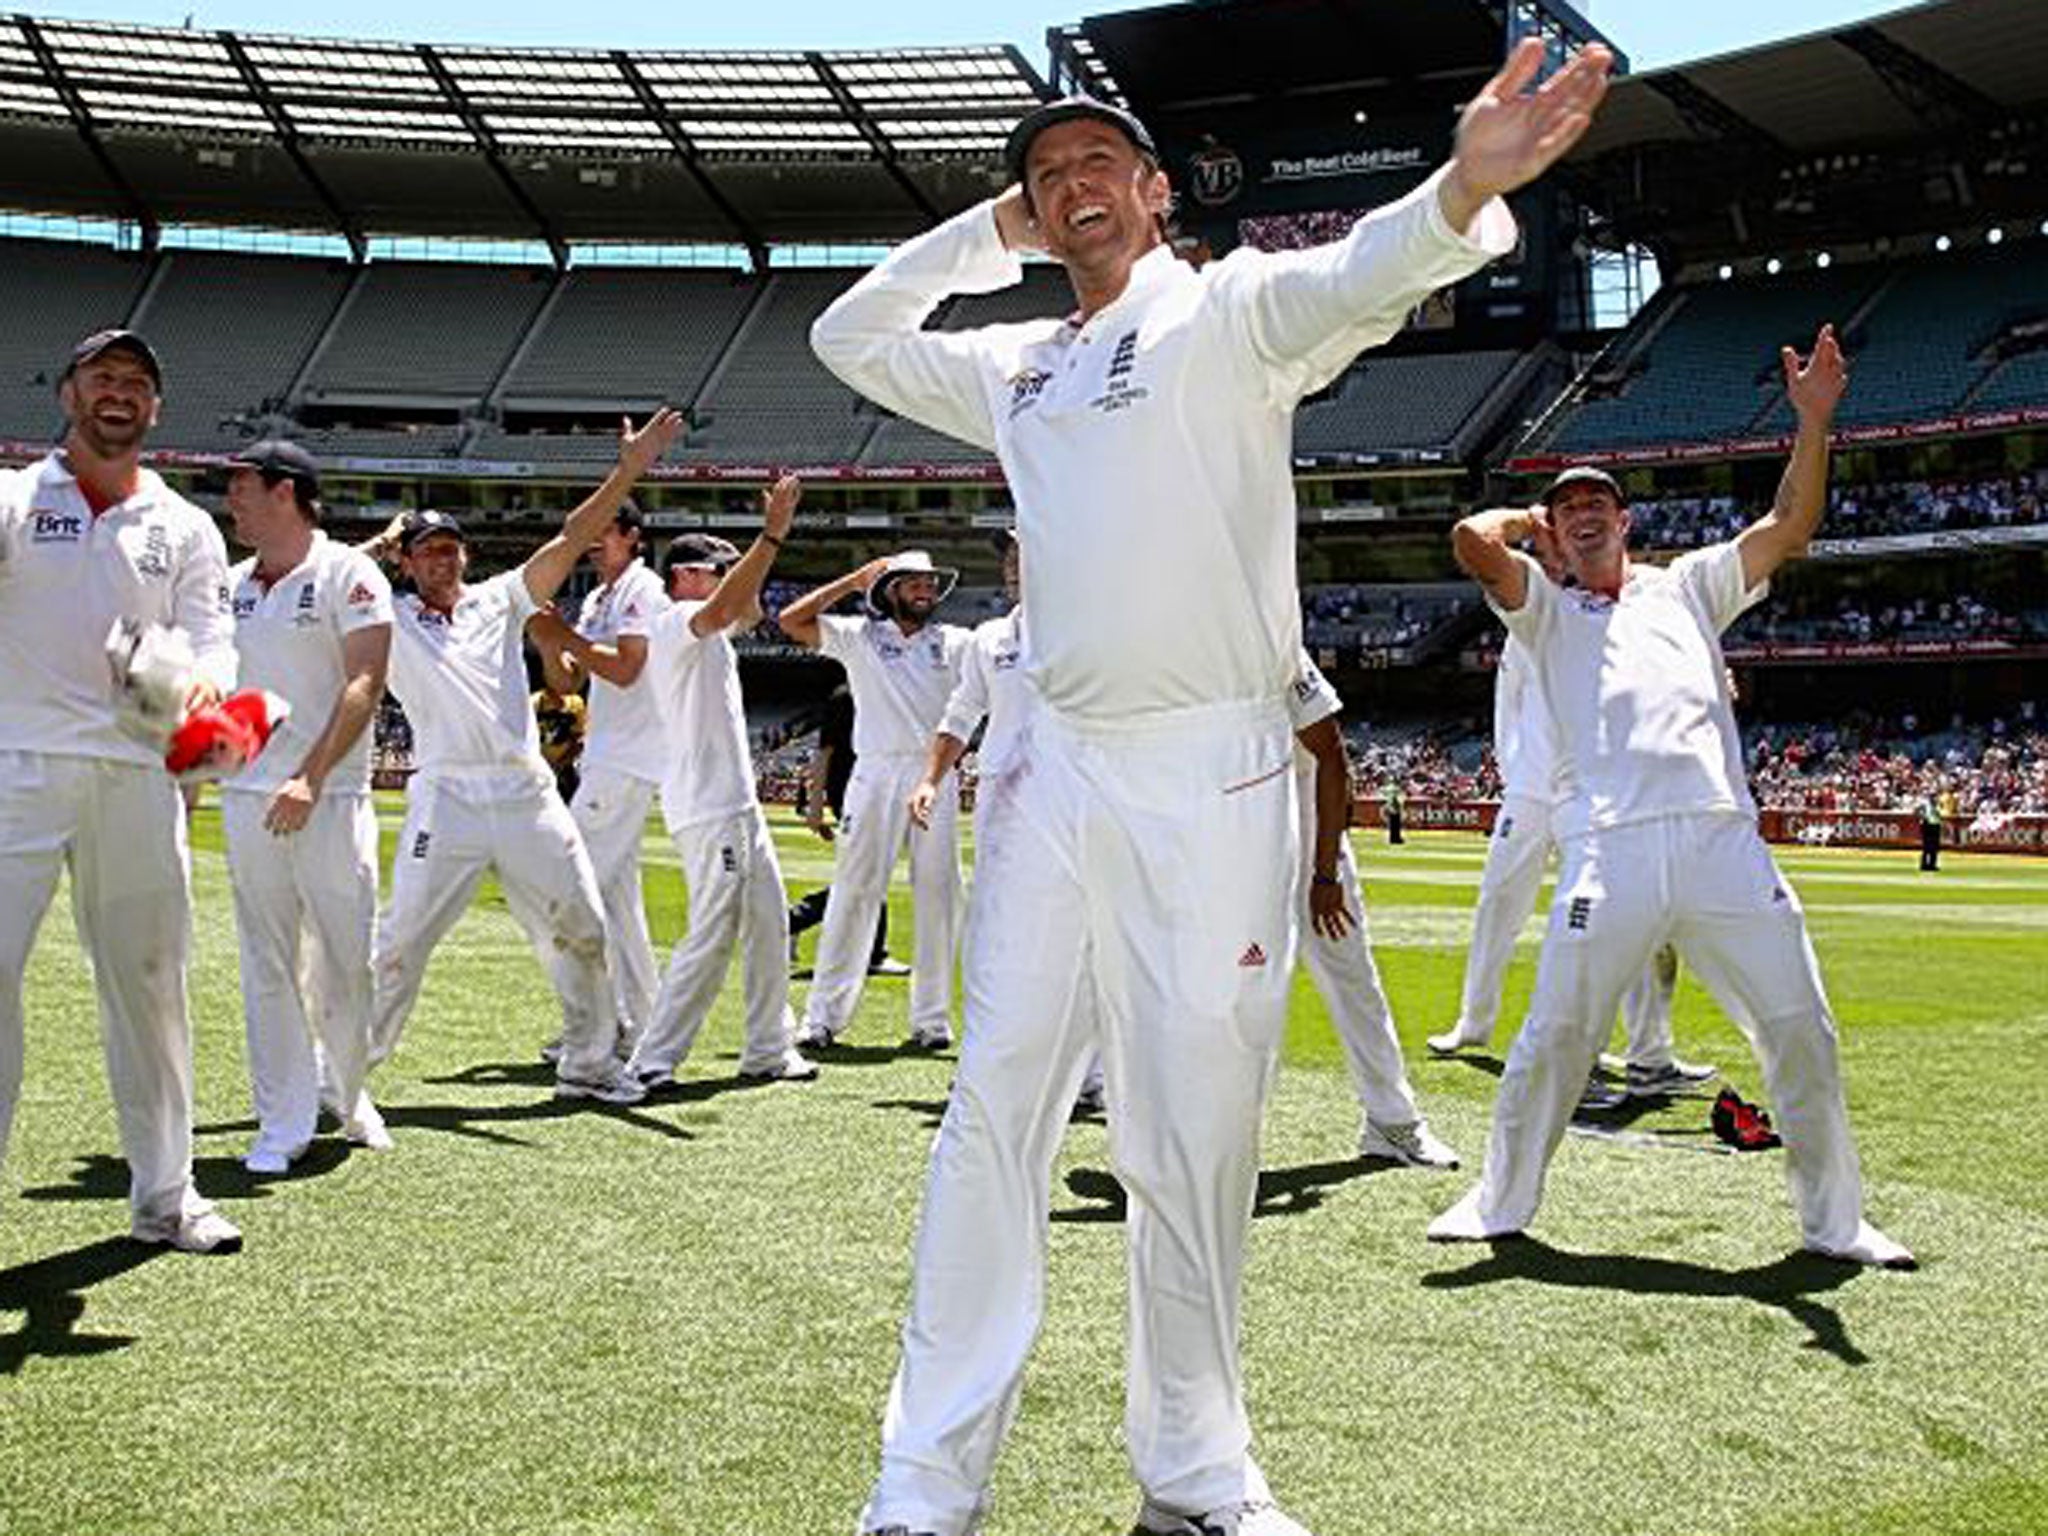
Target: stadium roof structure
column 158, row 125
column 1911, row 122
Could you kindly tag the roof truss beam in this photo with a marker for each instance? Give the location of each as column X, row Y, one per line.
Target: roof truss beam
column 692, row 159
column 885, row 152
column 1707, row 114
column 1924, row 88
column 288, row 138
column 88, row 132
column 487, row 142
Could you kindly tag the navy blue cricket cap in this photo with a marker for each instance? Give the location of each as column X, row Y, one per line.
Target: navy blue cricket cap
column 279, row 458
column 419, row 525
column 115, row 339
column 1070, row 109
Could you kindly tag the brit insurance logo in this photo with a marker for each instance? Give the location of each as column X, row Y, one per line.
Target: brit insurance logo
column 1215, row 175
column 48, row 526
column 1026, row 385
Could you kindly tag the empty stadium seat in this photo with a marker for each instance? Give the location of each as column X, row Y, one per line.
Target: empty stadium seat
column 56, row 294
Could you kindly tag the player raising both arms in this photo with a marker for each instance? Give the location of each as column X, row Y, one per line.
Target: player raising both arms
column 1658, row 830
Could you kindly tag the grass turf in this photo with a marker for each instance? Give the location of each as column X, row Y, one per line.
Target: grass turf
column 681, row 1318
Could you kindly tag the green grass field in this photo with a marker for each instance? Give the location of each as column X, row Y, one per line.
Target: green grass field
column 681, row 1318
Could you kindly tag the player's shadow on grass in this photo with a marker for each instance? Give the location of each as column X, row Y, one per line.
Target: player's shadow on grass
column 1478, row 1061
column 840, row 1054
column 99, row 1176
column 1788, row 1284
column 48, row 1294
column 482, row 1122
column 1282, row 1191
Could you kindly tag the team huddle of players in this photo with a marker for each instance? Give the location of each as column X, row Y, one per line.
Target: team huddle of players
column 1160, row 815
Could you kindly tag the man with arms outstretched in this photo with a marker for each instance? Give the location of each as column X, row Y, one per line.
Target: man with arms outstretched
column 1657, row 828
column 1150, row 845
column 480, row 797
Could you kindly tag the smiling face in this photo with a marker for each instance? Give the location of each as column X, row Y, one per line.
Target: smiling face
column 1592, row 533
column 436, row 565
column 912, row 598
column 1097, row 200
column 110, row 403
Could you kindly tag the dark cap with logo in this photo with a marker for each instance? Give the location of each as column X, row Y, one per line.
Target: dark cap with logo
column 697, row 551
column 1585, row 474
column 112, row 340
column 420, row 525
column 279, row 458
column 1069, row 109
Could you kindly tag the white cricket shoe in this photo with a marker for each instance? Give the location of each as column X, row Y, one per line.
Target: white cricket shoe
column 792, row 1066
column 1261, row 1518
column 814, row 1037
column 268, row 1159
column 1413, row 1145
column 1667, row 1079
column 1464, row 1223
column 203, row 1230
column 1872, row 1247
column 618, row 1086
column 364, row 1126
column 1459, row 1037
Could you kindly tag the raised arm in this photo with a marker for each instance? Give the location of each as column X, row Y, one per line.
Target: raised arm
column 1508, row 135
column 799, row 618
column 873, row 338
column 737, row 597
column 549, row 566
column 1483, row 545
column 1814, row 389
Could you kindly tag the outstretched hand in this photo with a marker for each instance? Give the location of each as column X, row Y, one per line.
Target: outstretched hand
column 640, row 451
column 778, row 506
column 1814, row 388
column 1508, row 135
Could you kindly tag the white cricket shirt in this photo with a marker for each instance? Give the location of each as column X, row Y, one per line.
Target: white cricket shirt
column 290, row 635
column 624, row 730
column 1524, row 740
column 1637, row 690
column 1149, row 448
column 694, row 684
column 462, row 680
column 900, row 682
column 66, row 576
column 992, row 686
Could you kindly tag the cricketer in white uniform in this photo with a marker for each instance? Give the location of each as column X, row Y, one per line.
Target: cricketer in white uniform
column 901, row 666
column 713, row 813
column 1658, row 829
column 481, row 797
column 1335, row 944
column 624, row 758
column 1517, row 855
column 313, row 625
column 87, row 536
column 1149, row 847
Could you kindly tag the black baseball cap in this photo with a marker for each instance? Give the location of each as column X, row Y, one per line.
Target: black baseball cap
column 279, row 458
column 110, row 340
column 697, row 550
column 1068, row 109
column 1585, row 474
column 418, row 525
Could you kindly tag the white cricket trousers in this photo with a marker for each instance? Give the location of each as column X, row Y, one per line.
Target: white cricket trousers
column 1157, row 860
column 737, row 902
column 871, row 834
column 1516, row 856
column 611, row 809
column 1706, row 884
column 1348, row 979
column 305, row 911
column 120, row 829
column 453, row 833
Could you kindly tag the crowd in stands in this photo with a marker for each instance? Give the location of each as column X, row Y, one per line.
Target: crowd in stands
column 1850, row 619
column 1999, row 769
column 1855, row 511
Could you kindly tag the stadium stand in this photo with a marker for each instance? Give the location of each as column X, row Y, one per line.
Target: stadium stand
column 433, row 330
column 56, row 293
column 770, row 400
column 630, row 333
column 1384, row 403
column 233, row 332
